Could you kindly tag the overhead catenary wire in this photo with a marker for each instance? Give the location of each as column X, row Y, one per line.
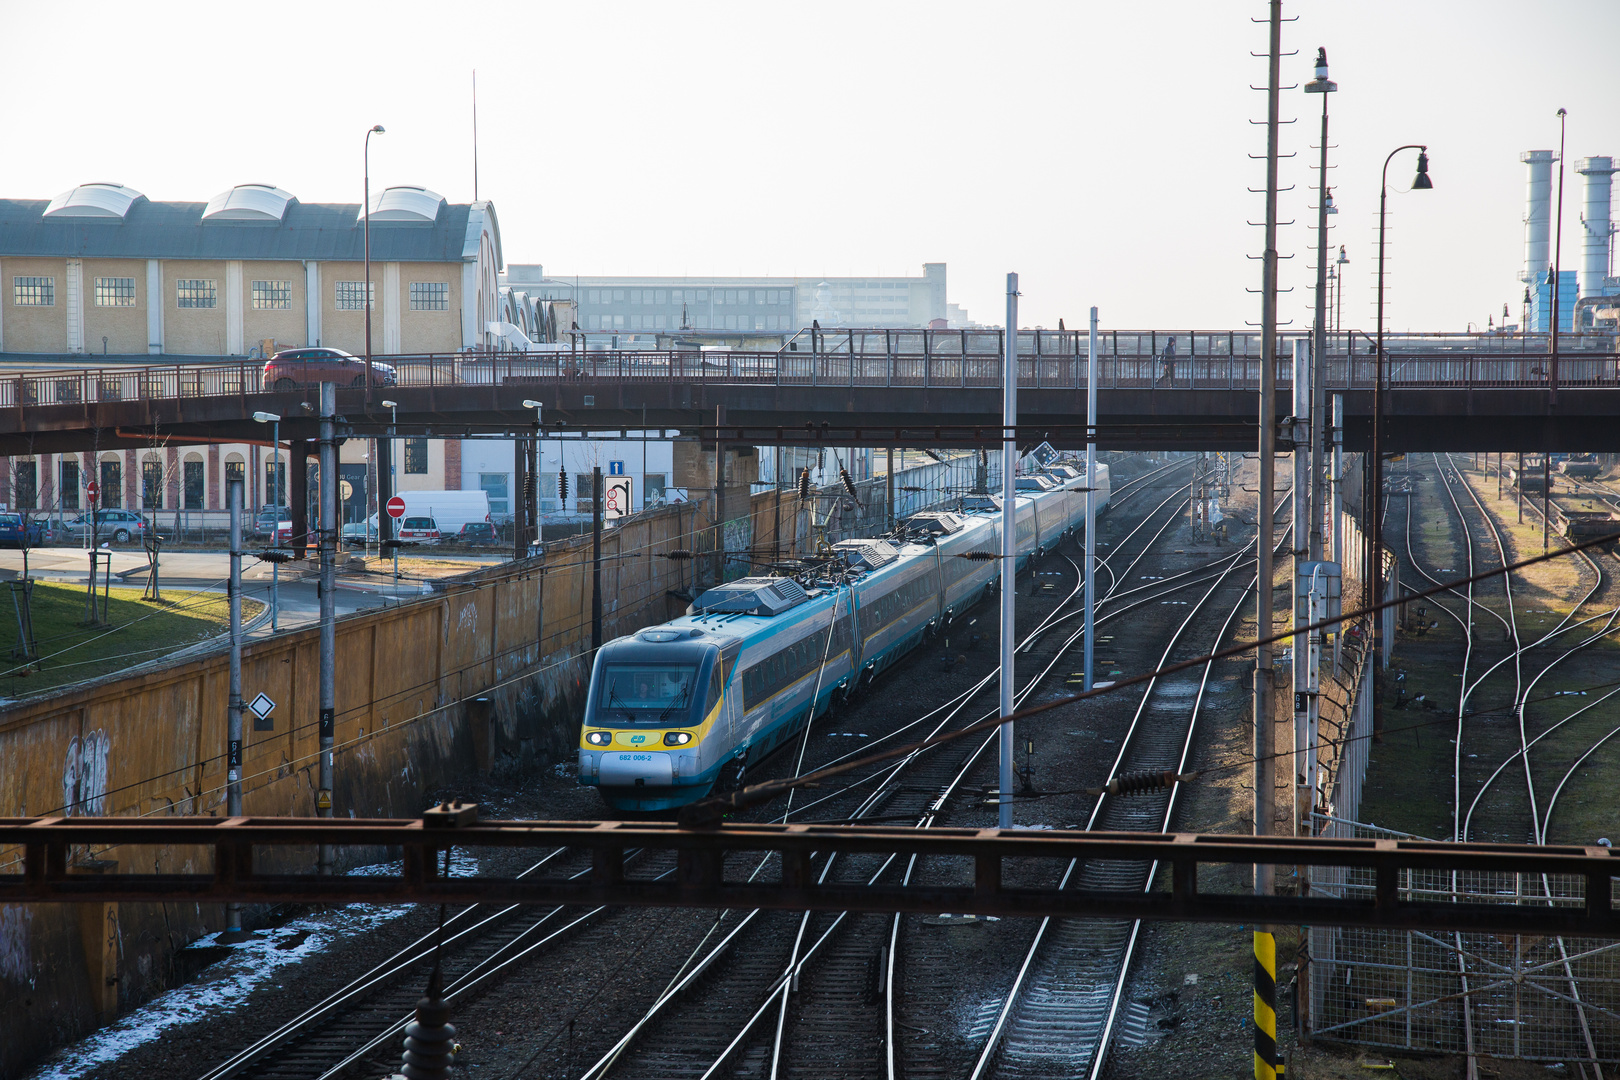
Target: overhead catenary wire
column 708, row 812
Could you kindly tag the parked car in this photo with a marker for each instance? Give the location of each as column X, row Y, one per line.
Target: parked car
column 293, row 369
column 120, row 526
column 12, row 534
column 358, row 534
column 419, row 530
column 474, row 532
column 268, row 519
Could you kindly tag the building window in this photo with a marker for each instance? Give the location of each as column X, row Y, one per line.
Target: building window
column 430, row 296
column 272, row 295
column 583, row 492
column 152, row 484
column 495, row 486
column 112, row 485
column 236, row 472
column 193, row 485
column 115, row 292
column 68, row 493
column 24, row 485
column 416, row 457
column 275, row 482
column 593, row 296
column 350, row 295
column 195, row 293
column 33, row 291
column 653, row 484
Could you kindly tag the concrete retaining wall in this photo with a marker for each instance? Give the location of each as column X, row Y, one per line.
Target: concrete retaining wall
column 517, row 635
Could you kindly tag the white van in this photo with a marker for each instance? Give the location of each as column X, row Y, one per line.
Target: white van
column 450, row 510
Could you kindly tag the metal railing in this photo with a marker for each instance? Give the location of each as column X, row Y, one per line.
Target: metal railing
column 928, row 359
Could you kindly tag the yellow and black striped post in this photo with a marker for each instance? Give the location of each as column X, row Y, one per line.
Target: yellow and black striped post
column 1267, row 1065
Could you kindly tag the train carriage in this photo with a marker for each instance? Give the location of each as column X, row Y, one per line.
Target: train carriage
column 685, row 708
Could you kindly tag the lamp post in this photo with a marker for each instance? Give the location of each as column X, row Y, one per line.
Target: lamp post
column 375, row 129
column 1338, row 316
column 1370, row 508
column 1324, row 86
column 1558, row 268
column 382, row 511
column 274, row 420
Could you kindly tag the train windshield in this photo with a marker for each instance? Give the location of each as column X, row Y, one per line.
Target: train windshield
column 646, row 693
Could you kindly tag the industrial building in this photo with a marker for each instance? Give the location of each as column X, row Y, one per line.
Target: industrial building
column 1586, row 299
column 632, row 304
column 103, row 269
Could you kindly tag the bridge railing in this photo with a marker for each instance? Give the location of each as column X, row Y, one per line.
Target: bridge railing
column 1129, row 363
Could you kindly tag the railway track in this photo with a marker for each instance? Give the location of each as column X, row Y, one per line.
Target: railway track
column 1063, row 1008
column 361, row 1023
column 798, row 996
column 1506, row 804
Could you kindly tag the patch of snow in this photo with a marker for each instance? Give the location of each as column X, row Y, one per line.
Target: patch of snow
column 223, row 987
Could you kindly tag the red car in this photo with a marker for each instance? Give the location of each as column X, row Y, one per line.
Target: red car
column 294, row 369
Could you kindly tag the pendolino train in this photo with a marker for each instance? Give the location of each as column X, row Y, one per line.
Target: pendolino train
column 678, row 710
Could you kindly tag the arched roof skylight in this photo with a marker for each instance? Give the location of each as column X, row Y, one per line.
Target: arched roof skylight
column 249, row 202
column 405, row 204
column 97, row 200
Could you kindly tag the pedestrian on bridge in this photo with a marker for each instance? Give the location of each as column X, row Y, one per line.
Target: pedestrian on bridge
column 1167, row 365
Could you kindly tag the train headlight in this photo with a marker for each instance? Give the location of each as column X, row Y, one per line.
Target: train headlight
column 599, row 738
column 677, row 738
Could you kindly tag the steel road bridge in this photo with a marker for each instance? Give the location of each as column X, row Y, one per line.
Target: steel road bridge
column 865, row 387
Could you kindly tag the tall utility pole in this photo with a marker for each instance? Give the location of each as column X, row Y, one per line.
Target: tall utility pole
column 596, row 559
column 233, row 756
column 1091, row 505
column 1304, row 445
column 1009, row 537
column 1324, row 86
column 1265, row 946
column 328, row 649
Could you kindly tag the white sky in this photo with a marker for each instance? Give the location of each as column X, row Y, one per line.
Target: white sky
column 1099, row 149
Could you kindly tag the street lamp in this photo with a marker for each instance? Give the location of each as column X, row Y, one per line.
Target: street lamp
column 375, row 129
column 1324, row 86
column 274, row 420
column 1338, row 317
column 1371, row 504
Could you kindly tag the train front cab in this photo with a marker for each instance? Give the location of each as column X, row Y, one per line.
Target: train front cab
column 656, row 716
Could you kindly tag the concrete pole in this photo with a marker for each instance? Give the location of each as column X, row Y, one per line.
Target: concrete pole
column 1304, row 489
column 233, row 757
column 1009, row 537
column 1091, row 507
column 1265, row 946
column 1263, row 767
column 890, row 478
column 328, row 655
column 596, row 559
column 1337, row 511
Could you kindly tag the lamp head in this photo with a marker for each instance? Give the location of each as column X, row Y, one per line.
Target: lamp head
column 532, row 405
column 1321, row 84
column 379, row 129
column 390, row 404
column 266, row 417
column 1422, row 181
column 1343, row 258
column 1330, row 207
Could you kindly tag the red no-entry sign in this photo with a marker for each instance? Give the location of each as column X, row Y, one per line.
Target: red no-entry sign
column 396, row 507
column 93, row 490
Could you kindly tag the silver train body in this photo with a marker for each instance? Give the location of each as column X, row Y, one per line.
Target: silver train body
column 684, row 708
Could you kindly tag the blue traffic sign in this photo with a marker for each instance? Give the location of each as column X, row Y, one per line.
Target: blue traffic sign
column 615, row 468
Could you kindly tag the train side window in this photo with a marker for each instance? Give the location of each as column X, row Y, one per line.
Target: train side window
column 715, row 688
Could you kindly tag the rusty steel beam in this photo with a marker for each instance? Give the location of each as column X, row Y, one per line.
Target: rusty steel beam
column 48, row 874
